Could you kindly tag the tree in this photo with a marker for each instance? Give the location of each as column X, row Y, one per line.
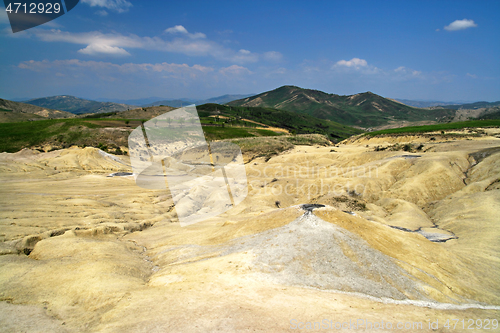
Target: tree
column 155, row 121
column 181, row 121
column 127, row 122
column 169, row 121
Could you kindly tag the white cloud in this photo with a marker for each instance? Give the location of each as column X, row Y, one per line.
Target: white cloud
column 280, row 70
column 225, row 32
column 179, row 29
column 87, row 38
column 101, row 13
column 94, row 49
column 354, row 63
column 243, row 56
column 176, row 29
column 119, row 6
column 273, row 56
column 474, row 76
column 404, row 73
column 101, row 67
column 276, row 72
column 235, row 70
column 460, row 25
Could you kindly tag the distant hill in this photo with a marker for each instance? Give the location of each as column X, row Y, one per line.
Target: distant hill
column 364, row 109
column 490, row 113
column 471, row 106
column 177, row 103
column 15, row 111
column 77, row 105
column 222, row 99
column 137, row 101
column 423, row 104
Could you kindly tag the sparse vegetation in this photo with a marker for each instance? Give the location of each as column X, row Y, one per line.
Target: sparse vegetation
column 77, row 105
column 221, row 133
column 438, row 127
column 408, row 147
column 268, row 147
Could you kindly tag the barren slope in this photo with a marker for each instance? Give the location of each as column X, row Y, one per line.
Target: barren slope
column 395, row 236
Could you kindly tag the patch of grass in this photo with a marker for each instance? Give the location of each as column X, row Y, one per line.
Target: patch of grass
column 438, row 127
column 83, row 132
column 100, row 115
column 221, row 133
column 13, row 117
column 16, row 136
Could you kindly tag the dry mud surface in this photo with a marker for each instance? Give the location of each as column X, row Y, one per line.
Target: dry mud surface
column 394, row 237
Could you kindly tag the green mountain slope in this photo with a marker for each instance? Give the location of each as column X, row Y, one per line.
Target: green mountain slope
column 365, row 109
column 77, row 105
column 296, row 123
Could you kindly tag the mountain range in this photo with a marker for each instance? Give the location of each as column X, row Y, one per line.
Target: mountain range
column 473, row 106
column 77, row 105
column 364, row 109
column 425, row 104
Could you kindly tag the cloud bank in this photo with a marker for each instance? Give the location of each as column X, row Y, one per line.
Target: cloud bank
column 178, row 40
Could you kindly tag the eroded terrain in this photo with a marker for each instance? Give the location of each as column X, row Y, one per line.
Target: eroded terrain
column 396, row 236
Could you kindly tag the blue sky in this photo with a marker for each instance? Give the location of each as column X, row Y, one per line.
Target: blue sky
column 126, row 49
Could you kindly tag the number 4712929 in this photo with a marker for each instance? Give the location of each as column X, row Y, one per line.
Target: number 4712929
column 33, row 8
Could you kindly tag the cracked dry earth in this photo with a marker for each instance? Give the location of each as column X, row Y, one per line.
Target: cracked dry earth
column 393, row 236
